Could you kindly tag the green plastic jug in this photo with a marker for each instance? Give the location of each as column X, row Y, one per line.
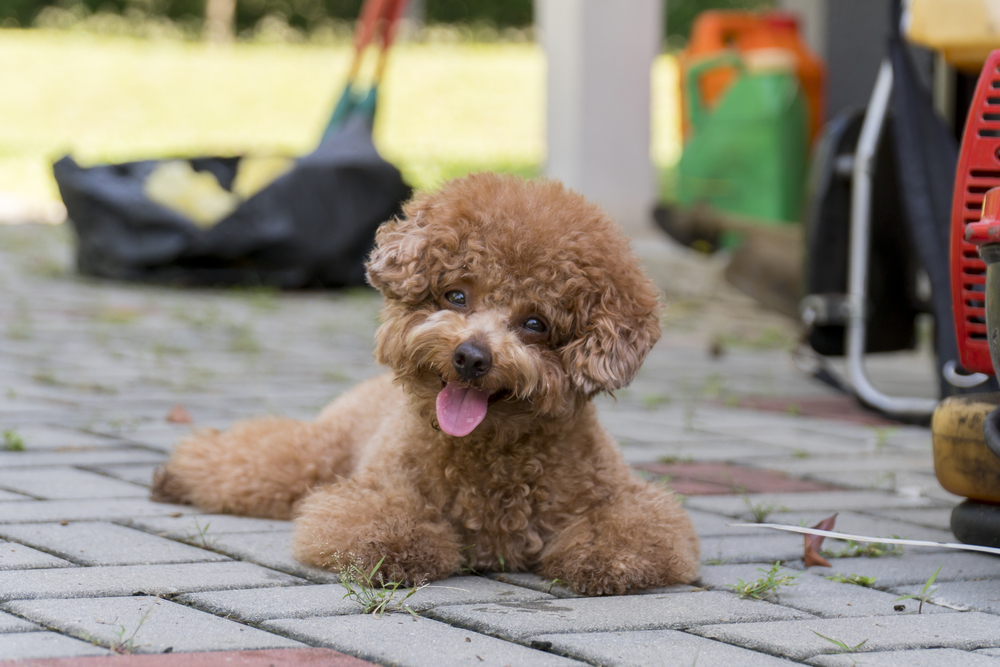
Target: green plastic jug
column 749, row 155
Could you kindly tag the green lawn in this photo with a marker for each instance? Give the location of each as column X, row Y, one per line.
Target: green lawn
column 446, row 109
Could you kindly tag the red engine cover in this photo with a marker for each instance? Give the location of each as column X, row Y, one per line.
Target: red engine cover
column 978, row 171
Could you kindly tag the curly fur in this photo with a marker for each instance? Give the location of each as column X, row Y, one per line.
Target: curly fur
column 539, row 484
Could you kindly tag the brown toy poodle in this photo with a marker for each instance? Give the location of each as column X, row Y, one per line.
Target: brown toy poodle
column 509, row 305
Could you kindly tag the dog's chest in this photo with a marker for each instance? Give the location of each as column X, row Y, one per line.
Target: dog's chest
column 499, row 510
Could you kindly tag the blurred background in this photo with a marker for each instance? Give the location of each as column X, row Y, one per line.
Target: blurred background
column 117, row 80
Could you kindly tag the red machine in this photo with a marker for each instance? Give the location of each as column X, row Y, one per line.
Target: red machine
column 978, row 172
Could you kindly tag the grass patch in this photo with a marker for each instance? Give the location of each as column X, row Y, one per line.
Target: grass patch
column 12, row 441
column 765, row 587
column 446, row 109
column 370, row 589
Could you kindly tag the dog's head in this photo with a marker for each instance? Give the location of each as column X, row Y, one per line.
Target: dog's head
column 508, row 300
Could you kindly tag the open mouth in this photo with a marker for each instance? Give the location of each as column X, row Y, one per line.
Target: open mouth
column 460, row 409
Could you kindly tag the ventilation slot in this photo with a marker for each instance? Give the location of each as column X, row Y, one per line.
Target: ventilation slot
column 989, row 133
column 985, row 173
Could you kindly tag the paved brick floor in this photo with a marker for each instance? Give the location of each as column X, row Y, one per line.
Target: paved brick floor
column 91, row 570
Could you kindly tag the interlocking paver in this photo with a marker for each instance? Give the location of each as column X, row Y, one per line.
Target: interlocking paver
column 415, row 642
column 145, row 624
column 52, row 483
column 798, row 639
column 613, row 614
column 116, row 580
column 102, row 543
column 36, row 511
column 11, row 623
column 24, row 645
column 893, row 571
column 41, row 437
column 137, row 473
column 653, row 647
column 832, row 501
column 813, row 593
column 763, row 547
column 855, row 523
column 183, row 527
column 271, row 549
column 256, row 605
column 978, row 594
column 931, row 657
column 10, row 460
column 15, row 556
column 939, row 517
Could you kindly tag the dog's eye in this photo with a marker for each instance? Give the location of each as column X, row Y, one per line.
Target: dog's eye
column 535, row 325
column 456, row 298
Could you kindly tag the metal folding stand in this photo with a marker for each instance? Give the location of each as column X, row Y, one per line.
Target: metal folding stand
column 860, row 241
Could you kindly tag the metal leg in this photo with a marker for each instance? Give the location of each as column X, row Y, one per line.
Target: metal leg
column 864, row 158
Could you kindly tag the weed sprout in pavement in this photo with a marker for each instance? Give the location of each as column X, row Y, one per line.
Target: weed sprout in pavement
column 765, row 587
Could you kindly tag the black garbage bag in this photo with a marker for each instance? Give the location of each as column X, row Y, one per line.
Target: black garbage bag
column 312, row 227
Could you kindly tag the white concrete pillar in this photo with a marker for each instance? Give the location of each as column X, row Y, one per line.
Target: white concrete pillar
column 599, row 57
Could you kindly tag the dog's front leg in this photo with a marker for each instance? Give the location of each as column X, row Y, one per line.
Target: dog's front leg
column 365, row 521
column 640, row 539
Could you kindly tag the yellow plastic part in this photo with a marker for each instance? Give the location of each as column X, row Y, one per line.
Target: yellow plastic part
column 197, row 195
column 962, row 462
column 256, row 172
column 964, row 31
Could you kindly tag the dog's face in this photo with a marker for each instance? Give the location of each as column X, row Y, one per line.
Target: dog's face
column 508, row 301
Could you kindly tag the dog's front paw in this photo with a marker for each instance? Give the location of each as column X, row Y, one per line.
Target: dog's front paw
column 591, row 575
column 375, row 530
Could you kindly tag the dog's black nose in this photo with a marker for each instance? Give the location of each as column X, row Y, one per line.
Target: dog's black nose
column 472, row 360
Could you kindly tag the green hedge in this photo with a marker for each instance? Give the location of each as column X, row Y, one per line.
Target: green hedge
column 306, row 13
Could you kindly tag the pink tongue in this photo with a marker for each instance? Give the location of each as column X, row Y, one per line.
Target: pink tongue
column 461, row 409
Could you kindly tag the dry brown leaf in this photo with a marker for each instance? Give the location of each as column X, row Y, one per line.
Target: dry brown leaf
column 179, row 415
column 813, row 543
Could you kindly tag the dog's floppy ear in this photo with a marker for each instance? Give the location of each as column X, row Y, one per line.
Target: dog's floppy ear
column 397, row 266
column 615, row 340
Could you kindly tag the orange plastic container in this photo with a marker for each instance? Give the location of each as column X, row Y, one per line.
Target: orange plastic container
column 715, row 31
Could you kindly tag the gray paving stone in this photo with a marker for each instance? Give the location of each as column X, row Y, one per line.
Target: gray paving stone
column 147, row 624
column 764, row 547
column 653, row 647
column 535, row 583
column 862, row 524
column 832, row 501
column 612, row 614
column 980, row 594
column 798, row 639
column 864, row 463
column 52, row 483
column 36, row 511
column 45, row 437
column 15, row 556
column 101, row 543
column 400, row 639
column 79, row 458
column 271, row 549
column 812, row 593
column 714, row 449
column 137, row 473
column 25, row 645
column 256, row 605
column 11, row 623
column 907, row 569
column 707, row 524
column 7, row 496
column 170, row 579
column 218, row 524
column 928, row 657
column 988, row 651
column 939, row 517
